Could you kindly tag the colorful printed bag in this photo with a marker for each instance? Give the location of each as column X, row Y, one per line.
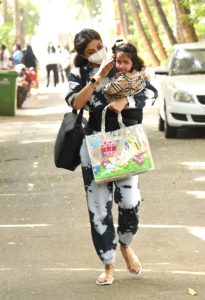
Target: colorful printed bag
column 119, row 154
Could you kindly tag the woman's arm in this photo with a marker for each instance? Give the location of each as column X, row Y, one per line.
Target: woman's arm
column 146, row 97
column 83, row 96
column 143, row 98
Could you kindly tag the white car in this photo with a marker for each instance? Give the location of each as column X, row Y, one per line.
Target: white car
column 182, row 89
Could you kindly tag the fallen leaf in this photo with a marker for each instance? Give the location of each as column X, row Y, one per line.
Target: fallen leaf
column 191, row 292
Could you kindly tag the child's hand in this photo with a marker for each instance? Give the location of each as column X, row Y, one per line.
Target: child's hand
column 118, row 105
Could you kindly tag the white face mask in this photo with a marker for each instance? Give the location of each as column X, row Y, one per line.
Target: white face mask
column 97, row 57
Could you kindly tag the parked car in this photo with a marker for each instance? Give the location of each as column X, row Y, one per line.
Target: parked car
column 182, row 89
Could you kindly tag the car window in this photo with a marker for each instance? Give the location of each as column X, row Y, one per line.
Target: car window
column 191, row 61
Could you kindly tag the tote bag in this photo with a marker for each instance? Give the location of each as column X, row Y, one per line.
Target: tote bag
column 68, row 141
column 70, row 135
column 120, row 153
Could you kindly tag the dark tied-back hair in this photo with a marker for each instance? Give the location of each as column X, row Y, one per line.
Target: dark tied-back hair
column 29, row 49
column 81, row 40
column 131, row 51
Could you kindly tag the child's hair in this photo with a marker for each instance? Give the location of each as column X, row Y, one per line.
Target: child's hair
column 129, row 50
column 81, row 40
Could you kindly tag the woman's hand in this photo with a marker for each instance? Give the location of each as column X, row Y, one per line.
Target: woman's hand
column 105, row 68
column 118, row 105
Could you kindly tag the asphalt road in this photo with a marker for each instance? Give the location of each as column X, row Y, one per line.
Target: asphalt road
column 46, row 248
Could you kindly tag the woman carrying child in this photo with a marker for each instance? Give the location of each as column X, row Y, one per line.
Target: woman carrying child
column 87, row 80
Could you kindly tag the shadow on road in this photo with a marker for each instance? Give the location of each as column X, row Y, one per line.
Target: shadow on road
column 192, row 133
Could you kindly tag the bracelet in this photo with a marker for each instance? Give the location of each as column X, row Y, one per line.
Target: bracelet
column 92, row 85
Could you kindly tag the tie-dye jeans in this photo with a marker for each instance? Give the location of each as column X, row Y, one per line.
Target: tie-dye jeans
column 100, row 199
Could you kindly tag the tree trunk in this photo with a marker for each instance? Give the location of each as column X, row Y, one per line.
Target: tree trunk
column 183, row 17
column 123, row 20
column 153, row 30
column 5, row 11
column 140, row 30
column 164, row 22
column 178, row 26
column 22, row 27
column 17, row 22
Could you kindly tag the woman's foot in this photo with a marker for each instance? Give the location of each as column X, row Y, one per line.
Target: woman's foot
column 131, row 259
column 106, row 277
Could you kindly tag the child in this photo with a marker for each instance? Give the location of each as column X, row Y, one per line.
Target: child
column 131, row 75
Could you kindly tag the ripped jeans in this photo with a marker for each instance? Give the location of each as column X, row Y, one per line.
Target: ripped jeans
column 100, row 196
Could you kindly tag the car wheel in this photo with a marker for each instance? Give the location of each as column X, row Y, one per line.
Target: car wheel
column 161, row 124
column 170, row 132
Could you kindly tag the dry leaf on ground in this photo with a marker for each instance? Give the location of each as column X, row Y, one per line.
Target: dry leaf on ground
column 191, row 292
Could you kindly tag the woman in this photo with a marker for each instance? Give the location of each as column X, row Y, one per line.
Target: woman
column 86, row 89
column 29, row 58
column 5, row 63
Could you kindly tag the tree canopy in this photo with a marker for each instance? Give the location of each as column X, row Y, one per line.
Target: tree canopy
column 27, row 20
column 153, row 25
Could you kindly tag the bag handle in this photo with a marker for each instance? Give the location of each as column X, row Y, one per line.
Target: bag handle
column 80, row 115
column 119, row 119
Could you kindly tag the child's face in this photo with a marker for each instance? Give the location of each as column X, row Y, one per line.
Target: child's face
column 123, row 63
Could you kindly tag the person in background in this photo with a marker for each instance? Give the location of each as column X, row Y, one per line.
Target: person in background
column 91, row 72
column 5, row 63
column 31, row 63
column 29, row 58
column 52, row 61
column 67, row 66
column 17, row 55
column 64, row 63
